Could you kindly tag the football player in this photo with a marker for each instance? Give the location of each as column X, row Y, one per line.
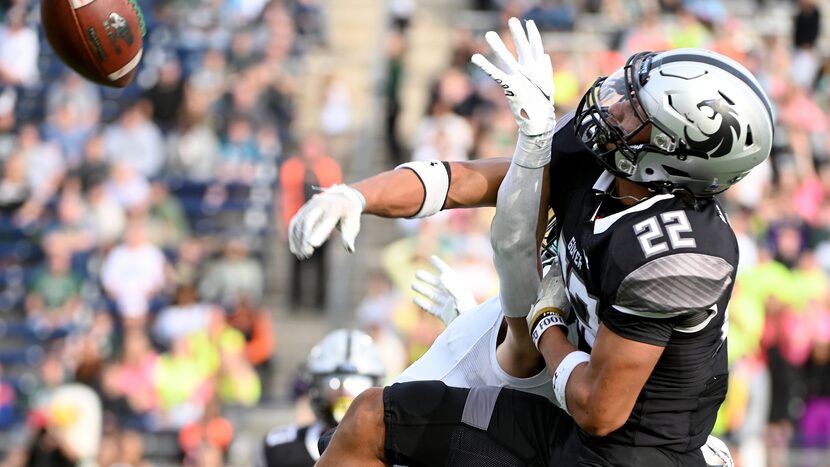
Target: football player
column 339, row 367
column 648, row 260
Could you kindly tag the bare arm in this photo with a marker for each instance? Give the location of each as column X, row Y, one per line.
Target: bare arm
column 399, row 193
column 602, row 393
column 394, row 193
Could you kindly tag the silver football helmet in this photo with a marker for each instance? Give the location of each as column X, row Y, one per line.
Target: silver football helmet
column 341, row 366
column 708, row 121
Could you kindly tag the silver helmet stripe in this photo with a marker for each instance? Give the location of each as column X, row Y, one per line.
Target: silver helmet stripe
column 723, row 65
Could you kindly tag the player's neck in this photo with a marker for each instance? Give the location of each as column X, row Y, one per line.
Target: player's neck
column 630, row 193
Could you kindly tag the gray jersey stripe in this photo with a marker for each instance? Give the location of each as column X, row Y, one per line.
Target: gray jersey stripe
column 676, row 283
column 478, row 409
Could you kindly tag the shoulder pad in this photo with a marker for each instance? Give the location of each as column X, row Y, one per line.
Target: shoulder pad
column 673, row 285
column 282, row 435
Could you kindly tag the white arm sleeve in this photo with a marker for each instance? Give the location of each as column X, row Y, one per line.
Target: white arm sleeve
column 513, row 231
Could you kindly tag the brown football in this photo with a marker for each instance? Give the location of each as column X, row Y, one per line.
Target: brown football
column 100, row 39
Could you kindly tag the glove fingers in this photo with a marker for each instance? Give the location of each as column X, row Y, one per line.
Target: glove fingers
column 424, row 290
column 426, row 277
column 546, row 81
column 520, row 41
column 488, row 67
column 322, row 231
column 349, row 229
column 306, row 222
column 294, row 234
column 426, row 305
column 501, row 51
column 440, row 265
column 537, row 49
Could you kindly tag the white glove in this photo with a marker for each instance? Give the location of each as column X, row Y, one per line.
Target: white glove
column 528, row 83
column 338, row 206
column 444, row 296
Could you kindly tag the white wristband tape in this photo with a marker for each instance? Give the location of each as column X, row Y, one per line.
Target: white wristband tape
column 547, row 321
column 563, row 373
column 435, row 177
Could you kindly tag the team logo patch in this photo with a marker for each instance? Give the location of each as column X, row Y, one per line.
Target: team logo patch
column 118, row 29
column 718, row 143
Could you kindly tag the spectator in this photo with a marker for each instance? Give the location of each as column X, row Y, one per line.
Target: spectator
column 129, row 188
column 255, row 323
column 183, row 386
column 815, row 422
column 336, row 116
column 188, row 265
column 806, row 24
column 194, row 150
column 19, row 48
column 14, row 185
column 133, row 273
column 105, row 217
column 233, row 275
column 136, row 141
column 54, row 299
column 212, row 429
column 65, row 128
column 79, row 95
column 93, row 168
column 395, row 52
column 44, row 165
column 166, row 95
column 301, row 175
column 184, row 317
column 238, row 382
column 135, row 373
column 552, row 14
column 239, row 154
column 167, row 223
column 8, row 403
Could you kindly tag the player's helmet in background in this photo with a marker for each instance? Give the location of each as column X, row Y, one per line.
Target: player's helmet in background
column 341, row 366
column 711, row 121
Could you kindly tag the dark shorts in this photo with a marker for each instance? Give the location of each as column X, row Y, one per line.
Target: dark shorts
column 430, row 424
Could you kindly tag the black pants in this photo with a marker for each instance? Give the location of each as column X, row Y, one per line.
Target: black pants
column 430, row 424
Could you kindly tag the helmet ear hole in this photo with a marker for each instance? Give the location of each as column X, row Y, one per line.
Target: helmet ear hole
column 649, row 171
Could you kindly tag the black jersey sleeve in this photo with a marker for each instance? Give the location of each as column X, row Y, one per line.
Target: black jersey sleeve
column 665, row 292
column 674, row 285
column 654, row 331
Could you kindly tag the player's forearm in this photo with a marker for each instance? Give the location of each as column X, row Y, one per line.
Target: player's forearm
column 513, row 232
column 400, row 193
column 587, row 395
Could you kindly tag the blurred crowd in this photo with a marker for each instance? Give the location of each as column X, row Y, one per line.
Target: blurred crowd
column 133, row 232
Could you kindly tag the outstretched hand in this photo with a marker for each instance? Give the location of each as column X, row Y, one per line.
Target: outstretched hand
column 444, row 296
column 337, row 207
column 528, row 82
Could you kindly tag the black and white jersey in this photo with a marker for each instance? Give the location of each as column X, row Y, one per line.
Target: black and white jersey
column 290, row 446
column 659, row 272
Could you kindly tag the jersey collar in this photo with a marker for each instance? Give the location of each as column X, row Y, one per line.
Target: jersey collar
column 602, row 185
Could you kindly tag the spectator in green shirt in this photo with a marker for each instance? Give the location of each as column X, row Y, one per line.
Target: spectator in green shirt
column 54, row 298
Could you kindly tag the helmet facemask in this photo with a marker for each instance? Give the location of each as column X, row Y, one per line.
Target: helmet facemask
column 332, row 394
column 601, row 132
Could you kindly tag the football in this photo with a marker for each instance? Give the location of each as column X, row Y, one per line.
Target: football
column 100, row 39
